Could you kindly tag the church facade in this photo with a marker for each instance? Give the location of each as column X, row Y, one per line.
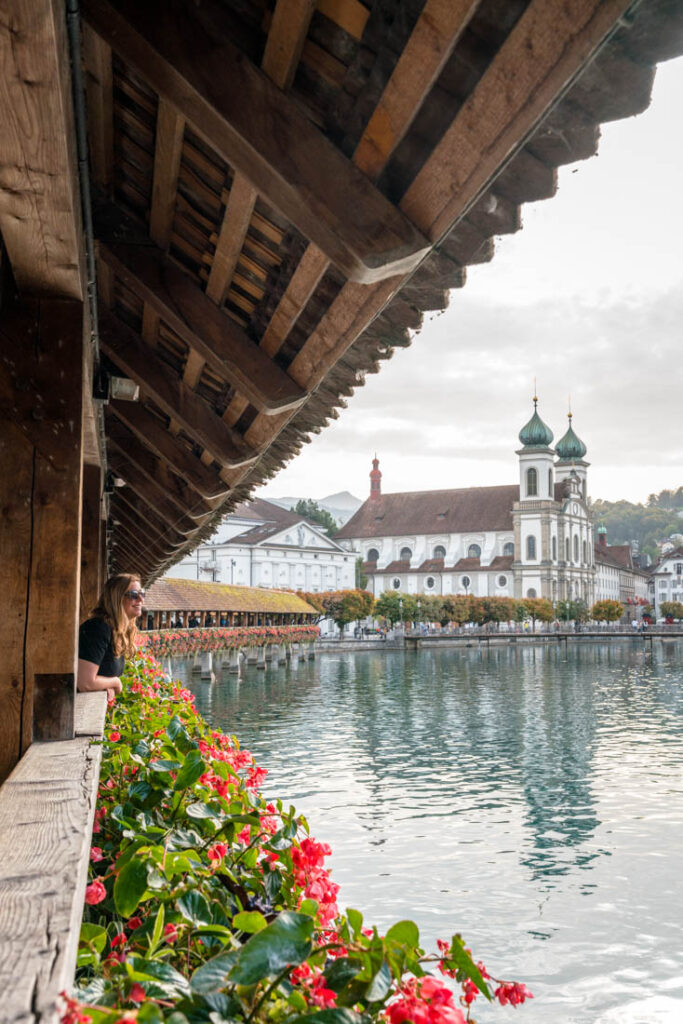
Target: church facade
column 530, row 539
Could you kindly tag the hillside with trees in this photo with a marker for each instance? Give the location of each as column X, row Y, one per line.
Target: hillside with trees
column 645, row 524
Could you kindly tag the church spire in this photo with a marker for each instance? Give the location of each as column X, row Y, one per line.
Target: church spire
column 375, row 480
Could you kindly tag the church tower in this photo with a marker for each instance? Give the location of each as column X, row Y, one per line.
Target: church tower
column 532, row 515
column 375, row 481
column 570, row 451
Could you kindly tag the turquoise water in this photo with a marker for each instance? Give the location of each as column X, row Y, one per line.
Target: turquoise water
column 531, row 798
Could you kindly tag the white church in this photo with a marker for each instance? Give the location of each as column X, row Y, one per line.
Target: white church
column 531, row 539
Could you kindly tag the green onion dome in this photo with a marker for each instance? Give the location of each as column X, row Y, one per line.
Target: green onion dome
column 535, row 434
column 570, row 447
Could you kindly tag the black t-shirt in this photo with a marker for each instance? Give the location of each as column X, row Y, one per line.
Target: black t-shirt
column 95, row 644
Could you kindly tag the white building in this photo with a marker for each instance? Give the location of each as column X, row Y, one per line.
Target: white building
column 618, row 578
column 264, row 545
column 666, row 580
column 531, row 539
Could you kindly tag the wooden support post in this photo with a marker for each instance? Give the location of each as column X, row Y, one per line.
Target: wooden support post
column 92, row 530
column 41, row 399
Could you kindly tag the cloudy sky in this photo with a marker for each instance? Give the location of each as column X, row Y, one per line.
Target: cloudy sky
column 587, row 298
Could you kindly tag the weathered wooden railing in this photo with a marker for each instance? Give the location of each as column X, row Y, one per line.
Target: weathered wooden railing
column 47, row 807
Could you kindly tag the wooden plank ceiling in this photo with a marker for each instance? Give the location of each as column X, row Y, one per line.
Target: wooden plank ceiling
column 282, row 189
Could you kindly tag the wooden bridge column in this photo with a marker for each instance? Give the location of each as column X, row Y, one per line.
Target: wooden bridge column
column 41, row 432
column 92, row 530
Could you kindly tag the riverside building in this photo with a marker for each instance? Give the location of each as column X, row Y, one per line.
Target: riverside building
column 530, row 539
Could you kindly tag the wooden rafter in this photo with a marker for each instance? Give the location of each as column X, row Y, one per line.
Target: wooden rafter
column 219, row 341
column 295, row 167
column 148, row 428
column 509, row 105
column 167, row 153
column 149, row 491
column 170, row 485
column 173, row 396
column 144, row 512
column 100, row 92
column 39, row 198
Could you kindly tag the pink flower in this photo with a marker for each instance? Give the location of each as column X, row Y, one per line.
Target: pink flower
column 134, row 922
column 95, row 854
column 118, row 940
column 95, row 892
column 321, row 995
column 171, row 933
column 512, row 992
column 217, row 852
column 114, row 736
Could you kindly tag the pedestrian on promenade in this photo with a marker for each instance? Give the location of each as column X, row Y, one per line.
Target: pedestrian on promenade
column 108, row 636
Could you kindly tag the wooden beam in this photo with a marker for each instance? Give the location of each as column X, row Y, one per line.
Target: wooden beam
column 436, row 33
column 92, row 527
column 293, row 165
column 170, row 485
column 195, row 318
column 41, row 342
column 133, row 538
column 149, row 490
column 507, row 104
column 505, row 108
column 39, row 199
column 146, row 513
column 286, row 37
column 175, row 398
column 167, row 153
column 148, row 428
column 100, row 92
column 234, row 227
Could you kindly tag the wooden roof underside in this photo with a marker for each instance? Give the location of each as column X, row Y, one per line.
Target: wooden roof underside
column 281, row 191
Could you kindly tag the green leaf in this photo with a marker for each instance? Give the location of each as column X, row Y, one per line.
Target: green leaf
column 91, row 943
column 286, row 942
column 355, row 920
column 192, row 768
column 341, row 972
column 195, row 908
column 177, row 1018
column 158, row 927
column 379, row 986
column 163, row 765
column 202, row 810
column 172, row 981
column 309, row 907
column 213, row 975
column 130, row 885
column 250, row 921
column 460, row 958
column 404, row 933
column 336, row 1016
column 297, row 1000
column 150, row 1013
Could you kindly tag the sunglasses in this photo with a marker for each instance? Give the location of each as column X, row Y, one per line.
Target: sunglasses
column 135, row 595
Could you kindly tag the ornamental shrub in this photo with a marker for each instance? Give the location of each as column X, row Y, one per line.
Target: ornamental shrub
column 208, row 905
column 171, row 643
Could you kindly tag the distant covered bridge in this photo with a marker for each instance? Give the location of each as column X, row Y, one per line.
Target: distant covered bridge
column 172, row 602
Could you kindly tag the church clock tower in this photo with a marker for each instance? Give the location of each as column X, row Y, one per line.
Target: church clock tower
column 532, row 514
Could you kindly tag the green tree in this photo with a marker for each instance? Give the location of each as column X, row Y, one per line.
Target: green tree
column 607, row 611
column 311, row 510
column 572, row 611
column 539, row 608
column 671, row 609
column 361, row 577
column 396, row 607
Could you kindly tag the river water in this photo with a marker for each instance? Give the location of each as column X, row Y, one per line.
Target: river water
column 529, row 797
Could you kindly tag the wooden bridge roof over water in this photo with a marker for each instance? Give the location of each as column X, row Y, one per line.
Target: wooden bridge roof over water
column 279, row 192
column 176, row 595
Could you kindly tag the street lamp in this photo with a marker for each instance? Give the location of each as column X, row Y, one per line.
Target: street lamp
column 400, row 610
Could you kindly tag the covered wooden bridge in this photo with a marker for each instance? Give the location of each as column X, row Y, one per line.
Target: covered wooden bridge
column 233, row 210
column 176, row 603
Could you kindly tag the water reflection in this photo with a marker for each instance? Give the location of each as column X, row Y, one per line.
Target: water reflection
column 532, row 796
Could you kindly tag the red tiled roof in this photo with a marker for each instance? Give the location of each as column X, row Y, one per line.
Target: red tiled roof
column 502, row 562
column 463, row 510
column 616, row 555
column 499, row 563
column 432, row 565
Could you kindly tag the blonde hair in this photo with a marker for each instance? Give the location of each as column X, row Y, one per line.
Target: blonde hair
column 110, row 608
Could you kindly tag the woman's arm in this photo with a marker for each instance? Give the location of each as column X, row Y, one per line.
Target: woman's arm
column 89, row 681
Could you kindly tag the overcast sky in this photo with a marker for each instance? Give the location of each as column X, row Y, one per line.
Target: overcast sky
column 587, row 298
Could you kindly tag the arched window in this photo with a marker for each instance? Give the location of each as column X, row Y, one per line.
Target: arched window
column 566, row 549
column 439, row 551
column 372, row 555
column 550, row 483
column 576, row 548
column 509, row 549
column 531, row 483
column 474, row 551
column 584, row 552
column 406, row 554
column 531, row 592
column 554, row 549
column 531, row 548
